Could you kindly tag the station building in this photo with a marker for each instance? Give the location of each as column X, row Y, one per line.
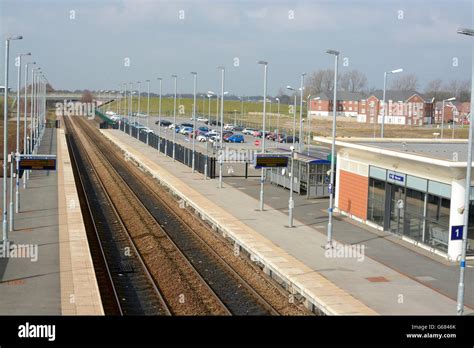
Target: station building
column 411, row 188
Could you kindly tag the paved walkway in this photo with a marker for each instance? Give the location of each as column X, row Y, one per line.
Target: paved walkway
column 381, row 287
column 58, row 277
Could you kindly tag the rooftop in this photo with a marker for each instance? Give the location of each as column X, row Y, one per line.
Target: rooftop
column 450, row 153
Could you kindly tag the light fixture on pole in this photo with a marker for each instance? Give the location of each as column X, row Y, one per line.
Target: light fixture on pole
column 309, row 109
column 147, row 110
column 17, row 153
column 442, row 115
column 277, row 137
column 137, row 116
column 159, row 110
column 174, row 113
column 194, row 120
column 222, row 124
column 462, row 263
column 301, row 113
column 294, row 115
column 130, row 111
column 25, row 124
column 262, row 175
column 383, row 97
column 5, row 137
column 291, row 202
column 333, row 149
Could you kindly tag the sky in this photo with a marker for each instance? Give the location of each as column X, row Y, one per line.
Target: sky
column 85, row 44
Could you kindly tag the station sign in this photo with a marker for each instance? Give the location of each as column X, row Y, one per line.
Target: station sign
column 37, row 162
column 262, row 160
column 457, row 232
column 396, row 177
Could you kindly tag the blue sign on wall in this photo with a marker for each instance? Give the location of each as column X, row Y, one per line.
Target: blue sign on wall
column 396, row 177
column 456, row 232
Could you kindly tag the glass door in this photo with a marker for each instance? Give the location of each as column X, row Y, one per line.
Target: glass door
column 397, row 209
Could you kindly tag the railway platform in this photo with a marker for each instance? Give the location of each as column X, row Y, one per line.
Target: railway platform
column 361, row 284
column 55, row 275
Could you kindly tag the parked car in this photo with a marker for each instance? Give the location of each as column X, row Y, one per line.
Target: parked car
column 289, row 139
column 238, row 129
column 214, row 139
column 185, row 130
column 202, row 119
column 172, row 126
column 177, row 129
column 228, row 126
column 146, row 130
column 215, row 123
column 227, row 134
column 235, row 138
column 202, row 137
column 204, row 129
column 187, row 125
column 248, row 131
column 163, row 123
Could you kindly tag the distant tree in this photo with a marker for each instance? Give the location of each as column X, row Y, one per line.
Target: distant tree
column 87, row 96
column 405, row 83
column 321, row 81
column 434, row 89
column 353, row 81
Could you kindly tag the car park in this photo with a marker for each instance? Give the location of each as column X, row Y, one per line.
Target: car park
column 184, row 124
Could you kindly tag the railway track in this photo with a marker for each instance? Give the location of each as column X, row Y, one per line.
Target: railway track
column 216, row 274
column 126, row 286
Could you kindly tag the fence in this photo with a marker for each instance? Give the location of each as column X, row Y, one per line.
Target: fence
column 202, row 163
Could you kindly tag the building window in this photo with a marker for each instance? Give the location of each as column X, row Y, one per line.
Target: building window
column 376, row 202
column 437, row 221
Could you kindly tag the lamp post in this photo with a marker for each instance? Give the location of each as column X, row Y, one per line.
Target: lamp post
column 159, row 110
column 241, row 110
column 130, row 111
column 301, row 112
column 383, row 98
column 222, row 69
column 25, row 124
column 462, row 264
column 194, row 119
column 294, row 114
column 442, row 115
column 137, row 116
column 209, row 96
column 5, row 137
column 278, row 122
column 262, row 176
column 147, row 109
column 291, row 203
column 333, row 148
column 174, row 113
column 17, row 154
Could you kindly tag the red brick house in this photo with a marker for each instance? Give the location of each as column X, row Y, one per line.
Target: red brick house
column 349, row 104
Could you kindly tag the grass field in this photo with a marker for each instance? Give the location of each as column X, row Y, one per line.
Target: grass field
column 319, row 127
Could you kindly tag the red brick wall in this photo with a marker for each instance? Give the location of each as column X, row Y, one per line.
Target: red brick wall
column 353, row 194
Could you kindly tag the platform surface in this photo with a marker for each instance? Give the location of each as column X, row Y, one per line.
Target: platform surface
column 60, row 279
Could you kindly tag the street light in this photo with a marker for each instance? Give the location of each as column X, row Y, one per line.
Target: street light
column 301, row 112
column 147, row 109
column 442, row 115
column 278, row 121
column 130, row 111
column 159, row 111
column 460, row 297
column 137, row 116
column 262, row 176
column 17, row 154
column 294, row 114
column 25, row 125
column 174, row 113
column 5, row 137
column 194, row 119
column 222, row 69
column 291, row 203
column 333, row 148
column 383, row 98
